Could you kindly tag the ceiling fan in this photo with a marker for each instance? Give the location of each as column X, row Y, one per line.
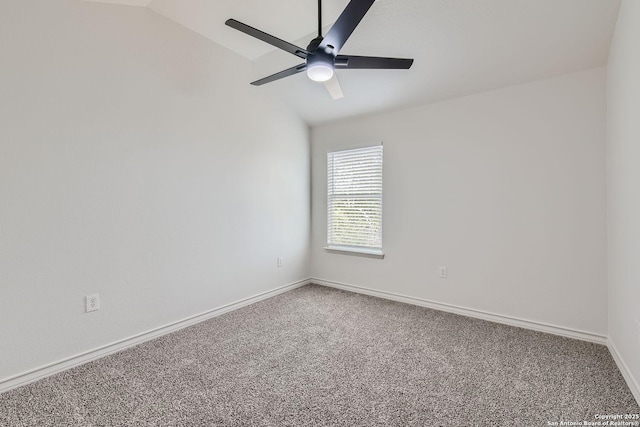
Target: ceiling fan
column 322, row 54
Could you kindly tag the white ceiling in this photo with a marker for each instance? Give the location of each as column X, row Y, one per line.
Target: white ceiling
column 142, row 3
column 460, row 46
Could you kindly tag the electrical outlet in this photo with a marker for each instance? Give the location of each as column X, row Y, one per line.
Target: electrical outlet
column 443, row 272
column 637, row 327
column 92, row 303
column 279, row 261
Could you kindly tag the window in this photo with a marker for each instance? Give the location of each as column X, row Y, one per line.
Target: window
column 354, row 201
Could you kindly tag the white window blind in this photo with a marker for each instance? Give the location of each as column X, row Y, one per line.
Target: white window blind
column 354, row 199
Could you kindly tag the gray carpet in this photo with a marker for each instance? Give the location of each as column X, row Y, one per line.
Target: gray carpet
column 319, row 356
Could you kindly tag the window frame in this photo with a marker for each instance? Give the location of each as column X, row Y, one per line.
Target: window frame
column 366, row 251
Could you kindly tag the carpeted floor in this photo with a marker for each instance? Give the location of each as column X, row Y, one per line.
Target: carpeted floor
column 319, row 356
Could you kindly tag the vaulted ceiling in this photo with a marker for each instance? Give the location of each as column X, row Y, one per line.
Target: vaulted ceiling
column 460, row 47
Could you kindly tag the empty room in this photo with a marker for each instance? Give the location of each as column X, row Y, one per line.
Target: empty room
column 304, row 212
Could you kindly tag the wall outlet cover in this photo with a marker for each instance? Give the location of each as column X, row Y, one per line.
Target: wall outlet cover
column 92, row 303
column 443, row 272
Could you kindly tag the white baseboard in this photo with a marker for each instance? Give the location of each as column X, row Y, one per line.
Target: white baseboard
column 624, row 369
column 469, row 312
column 82, row 358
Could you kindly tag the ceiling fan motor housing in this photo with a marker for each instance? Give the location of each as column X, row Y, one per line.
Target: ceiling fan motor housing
column 313, row 44
column 320, row 62
column 320, row 66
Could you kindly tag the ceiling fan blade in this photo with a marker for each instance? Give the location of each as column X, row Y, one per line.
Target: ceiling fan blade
column 333, row 87
column 268, row 38
column 284, row 73
column 344, row 26
column 372, row 62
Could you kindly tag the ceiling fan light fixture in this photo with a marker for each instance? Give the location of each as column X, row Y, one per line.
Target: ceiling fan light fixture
column 319, row 68
column 320, row 72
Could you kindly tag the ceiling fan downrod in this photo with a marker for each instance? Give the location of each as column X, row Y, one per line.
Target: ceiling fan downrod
column 320, row 18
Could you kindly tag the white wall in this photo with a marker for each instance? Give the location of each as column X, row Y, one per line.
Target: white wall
column 623, row 189
column 505, row 188
column 135, row 161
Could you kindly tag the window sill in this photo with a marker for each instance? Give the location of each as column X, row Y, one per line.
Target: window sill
column 368, row 253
